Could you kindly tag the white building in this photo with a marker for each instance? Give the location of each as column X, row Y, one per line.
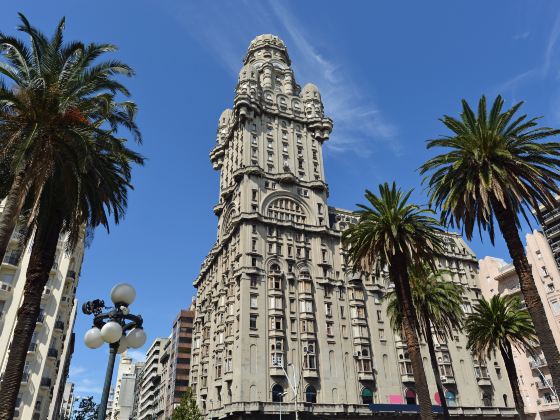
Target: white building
column 49, row 353
column 124, row 388
column 498, row 277
column 150, row 401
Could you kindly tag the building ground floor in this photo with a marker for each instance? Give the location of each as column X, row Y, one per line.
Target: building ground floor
column 285, row 411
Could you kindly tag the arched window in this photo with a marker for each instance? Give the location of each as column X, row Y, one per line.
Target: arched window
column 451, row 399
column 277, row 393
column 311, row 394
column 286, row 209
column 367, row 396
column 410, row 396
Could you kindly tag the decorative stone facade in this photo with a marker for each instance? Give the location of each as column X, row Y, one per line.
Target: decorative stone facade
column 275, row 292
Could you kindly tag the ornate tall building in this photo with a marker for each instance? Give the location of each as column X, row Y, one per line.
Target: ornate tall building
column 275, row 294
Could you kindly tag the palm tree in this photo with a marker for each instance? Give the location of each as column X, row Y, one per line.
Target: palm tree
column 497, row 165
column 501, row 324
column 438, row 305
column 58, row 92
column 86, row 172
column 393, row 233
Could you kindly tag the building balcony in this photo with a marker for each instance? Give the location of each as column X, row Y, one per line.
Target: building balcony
column 47, row 293
column 5, row 288
column 71, row 274
column 40, row 319
column 11, row 259
column 448, row 380
column 310, row 373
column 365, row 376
column 536, row 364
column 66, row 300
column 484, row 381
column 46, row 382
column 25, row 378
column 59, row 325
column 52, row 353
column 543, row 386
column 407, row 378
column 32, row 348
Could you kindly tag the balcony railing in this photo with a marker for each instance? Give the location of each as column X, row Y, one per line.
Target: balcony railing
column 542, row 385
column 25, row 377
column 46, row 382
column 32, row 347
column 12, row 259
column 52, row 352
column 59, row 325
column 71, row 274
column 41, row 318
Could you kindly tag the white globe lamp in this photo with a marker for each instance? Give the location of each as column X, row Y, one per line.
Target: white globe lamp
column 136, row 338
column 123, row 293
column 123, row 345
column 93, row 338
column 111, row 332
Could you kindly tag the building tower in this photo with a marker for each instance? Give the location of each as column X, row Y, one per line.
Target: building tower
column 275, row 293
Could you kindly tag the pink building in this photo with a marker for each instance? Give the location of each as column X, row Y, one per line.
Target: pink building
column 498, row 277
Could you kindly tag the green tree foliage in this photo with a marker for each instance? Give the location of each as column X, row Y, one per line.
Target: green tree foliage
column 499, row 325
column 438, row 305
column 394, row 233
column 187, row 409
column 87, row 409
column 497, row 165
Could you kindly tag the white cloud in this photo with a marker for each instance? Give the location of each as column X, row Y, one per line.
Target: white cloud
column 84, row 385
column 360, row 124
column 521, row 36
column 136, row 355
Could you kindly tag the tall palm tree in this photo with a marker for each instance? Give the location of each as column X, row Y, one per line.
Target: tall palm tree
column 497, row 165
column 56, row 92
column 501, row 324
column 438, row 305
column 393, row 233
column 85, row 170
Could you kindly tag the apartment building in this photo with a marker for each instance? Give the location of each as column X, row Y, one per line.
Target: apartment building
column 498, row 277
column 177, row 360
column 275, row 294
column 150, row 389
column 550, row 223
column 123, row 400
column 48, row 356
column 67, row 403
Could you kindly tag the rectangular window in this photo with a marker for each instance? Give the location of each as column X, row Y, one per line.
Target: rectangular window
column 342, row 313
column 276, row 323
column 253, row 321
column 306, row 306
column 292, row 305
column 253, row 262
column 254, row 302
column 344, row 332
column 254, row 195
column 555, row 305
column 382, row 334
column 254, row 281
column 379, row 316
column 328, row 309
column 330, row 332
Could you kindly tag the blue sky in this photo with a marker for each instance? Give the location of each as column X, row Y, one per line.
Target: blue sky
column 386, row 70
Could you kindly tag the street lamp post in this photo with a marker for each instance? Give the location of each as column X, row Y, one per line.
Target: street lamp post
column 111, row 327
column 293, row 384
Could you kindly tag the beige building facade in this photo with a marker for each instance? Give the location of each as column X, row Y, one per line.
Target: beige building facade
column 48, row 356
column 275, row 295
column 123, row 400
column 498, row 277
column 150, row 387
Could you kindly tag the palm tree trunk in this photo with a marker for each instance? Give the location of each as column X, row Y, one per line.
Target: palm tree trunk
column 433, row 360
column 399, row 275
column 12, row 209
column 506, row 221
column 512, row 376
column 40, row 263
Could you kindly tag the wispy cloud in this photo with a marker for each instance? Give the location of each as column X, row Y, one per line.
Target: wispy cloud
column 136, row 355
column 83, row 383
column 360, row 124
column 521, row 36
column 544, row 67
